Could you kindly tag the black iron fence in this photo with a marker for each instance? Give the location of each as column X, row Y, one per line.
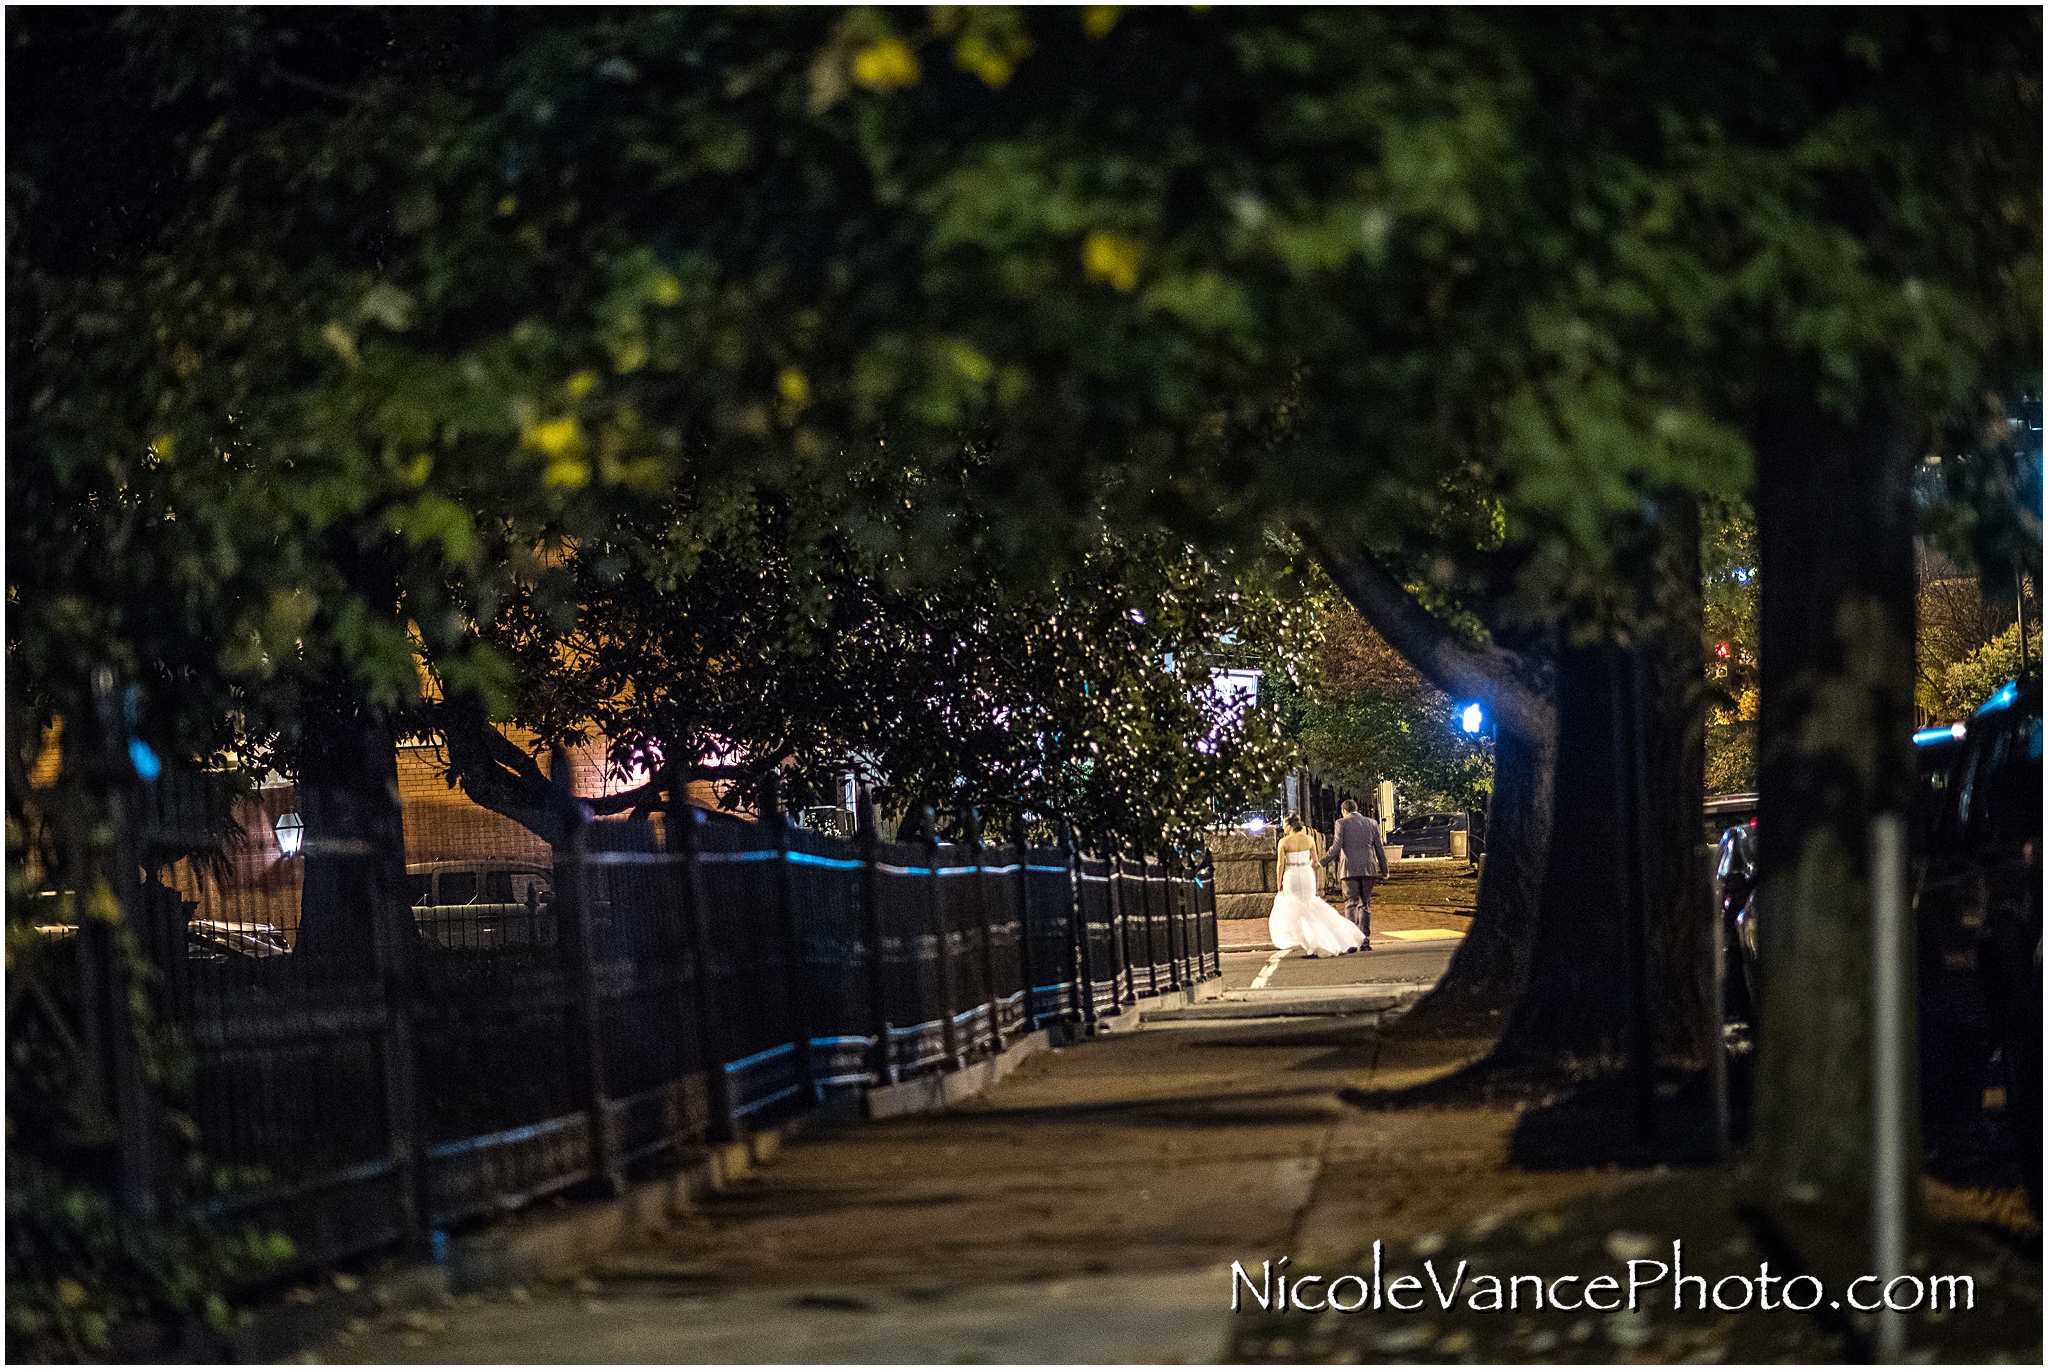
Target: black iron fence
column 503, row 1028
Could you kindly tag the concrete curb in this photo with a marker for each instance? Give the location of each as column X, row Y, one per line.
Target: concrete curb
column 1134, row 1014
column 943, row 1091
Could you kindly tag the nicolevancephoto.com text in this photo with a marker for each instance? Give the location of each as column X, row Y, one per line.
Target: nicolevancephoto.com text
column 1275, row 1289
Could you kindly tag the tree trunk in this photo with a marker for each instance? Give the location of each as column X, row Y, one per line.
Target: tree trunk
column 1835, row 528
column 1625, row 833
column 1491, row 965
column 355, row 837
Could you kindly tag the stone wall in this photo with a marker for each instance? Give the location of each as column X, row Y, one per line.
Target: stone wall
column 1247, row 874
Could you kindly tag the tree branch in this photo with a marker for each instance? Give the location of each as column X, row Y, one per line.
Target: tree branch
column 1512, row 689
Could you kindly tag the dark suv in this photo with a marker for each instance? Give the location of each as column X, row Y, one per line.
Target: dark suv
column 1426, row 834
column 1979, row 923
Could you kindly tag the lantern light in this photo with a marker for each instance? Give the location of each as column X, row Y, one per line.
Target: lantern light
column 291, row 833
column 1472, row 717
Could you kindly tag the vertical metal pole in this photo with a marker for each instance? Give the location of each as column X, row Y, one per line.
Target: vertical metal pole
column 1718, row 1057
column 1151, row 922
column 785, row 906
column 971, row 820
column 723, row 1124
column 1083, row 960
column 883, row 1066
column 134, row 1106
column 948, row 1032
column 589, row 1029
column 1212, row 953
column 1190, row 971
column 1888, row 1069
column 1019, row 840
column 395, row 942
column 1120, row 919
column 1170, row 893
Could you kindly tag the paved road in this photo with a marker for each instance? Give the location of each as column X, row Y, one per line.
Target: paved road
column 1410, row 963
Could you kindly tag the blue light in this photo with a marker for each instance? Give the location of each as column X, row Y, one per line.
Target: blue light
column 2007, row 693
column 1255, row 826
column 144, row 760
column 1472, row 718
column 1934, row 737
column 1742, row 575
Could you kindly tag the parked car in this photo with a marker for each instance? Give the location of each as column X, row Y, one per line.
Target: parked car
column 1426, row 834
column 1724, row 811
column 1977, row 914
column 467, row 905
column 208, row 939
column 1979, row 923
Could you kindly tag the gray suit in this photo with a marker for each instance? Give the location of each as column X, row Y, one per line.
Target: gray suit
column 1365, row 859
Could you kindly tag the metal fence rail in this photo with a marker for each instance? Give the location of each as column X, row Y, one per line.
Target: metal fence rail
column 671, row 980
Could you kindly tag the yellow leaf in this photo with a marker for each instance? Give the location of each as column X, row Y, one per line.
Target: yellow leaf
column 629, row 353
column 343, row 343
column 793, row 386
column 667, row 289
column 1114, row 258
column 557, row 436
column 50, row 760
column 886, row 65
column 581, row 384
column 102, row 904
column 567, row 472
column 70, row 1293
column 161, row 446
column 508, row 206
column 1098, row 20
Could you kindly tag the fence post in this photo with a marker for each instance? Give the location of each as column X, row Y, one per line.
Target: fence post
column 722, row 1125
column 1151, row 937
column 1205, row 915
column 1082, row 961
column 971, row 821
column 589, row 1027
column 134, row 1105
column 948, row 1033
column 785, row 902
column 883, row 1067
column 1019, row 839
column 1120, row 919
column 1176, row 934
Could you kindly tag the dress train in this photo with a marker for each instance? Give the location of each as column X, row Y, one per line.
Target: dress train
column 1301, row 918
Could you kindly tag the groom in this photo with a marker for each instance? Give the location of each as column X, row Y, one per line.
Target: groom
column 1365, row 857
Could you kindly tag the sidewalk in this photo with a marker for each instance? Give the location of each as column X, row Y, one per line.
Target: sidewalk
column 1088, row 1209
column 1425, row 896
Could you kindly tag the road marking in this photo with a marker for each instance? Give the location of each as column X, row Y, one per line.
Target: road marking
column 1423, row 934
column 1272, row 964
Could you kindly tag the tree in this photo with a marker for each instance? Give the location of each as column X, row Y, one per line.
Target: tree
column 1086, row 697
column 1413, row 283
column 1373, row 718
column 1732, row 584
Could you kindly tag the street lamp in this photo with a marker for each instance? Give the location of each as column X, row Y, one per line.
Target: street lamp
column 291, row 833
column 1471, row 718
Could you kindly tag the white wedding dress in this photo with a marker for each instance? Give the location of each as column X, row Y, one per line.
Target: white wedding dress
column 1300, row 918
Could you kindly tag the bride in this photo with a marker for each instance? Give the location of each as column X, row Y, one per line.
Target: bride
column 1300, row 917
